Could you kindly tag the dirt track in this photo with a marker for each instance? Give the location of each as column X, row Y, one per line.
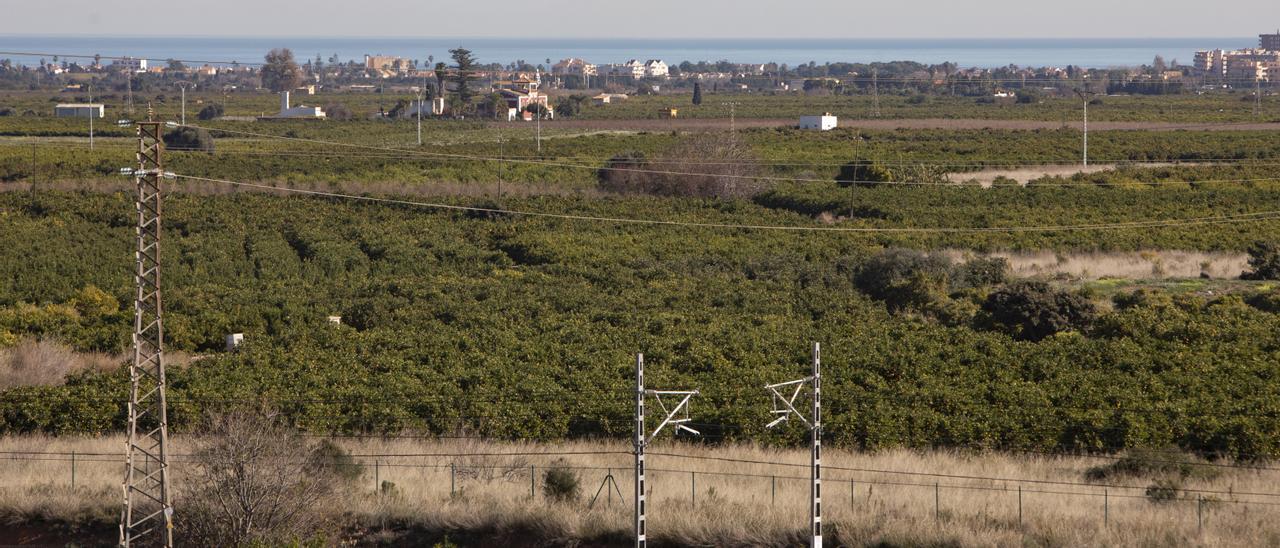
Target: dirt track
column 696, row 124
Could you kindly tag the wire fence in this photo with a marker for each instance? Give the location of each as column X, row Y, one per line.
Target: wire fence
column 605, row 482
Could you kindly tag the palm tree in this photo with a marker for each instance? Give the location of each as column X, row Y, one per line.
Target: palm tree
column 441, row 72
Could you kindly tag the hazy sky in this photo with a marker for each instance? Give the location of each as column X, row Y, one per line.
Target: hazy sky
column 648, row 18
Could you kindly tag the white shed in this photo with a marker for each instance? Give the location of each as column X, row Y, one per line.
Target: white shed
column 79, row 110
column 826, row 122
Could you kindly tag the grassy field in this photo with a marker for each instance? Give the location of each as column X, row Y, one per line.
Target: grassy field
column 891, row 498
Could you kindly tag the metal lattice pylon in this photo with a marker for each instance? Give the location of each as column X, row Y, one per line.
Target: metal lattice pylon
column 147, row 517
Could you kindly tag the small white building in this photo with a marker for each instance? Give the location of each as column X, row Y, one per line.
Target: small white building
column 130, row 63
column 79, row 110
column 608, row 98
column 300, row 111
column 826, row 122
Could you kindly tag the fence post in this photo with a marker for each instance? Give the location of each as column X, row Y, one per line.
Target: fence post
column 608, row 501
column 1106, row 509
column 73, row 470
column 693, row 489
column 1200, row 514
column 377, row 478
column 852, row 491
column 937, row 513
column 452, row 480
column 533, row 481
column 773, row 490
column 1019, row 505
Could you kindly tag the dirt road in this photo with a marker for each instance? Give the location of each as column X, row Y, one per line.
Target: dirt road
column 697, row 124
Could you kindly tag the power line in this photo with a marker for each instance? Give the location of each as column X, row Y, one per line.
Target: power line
column 548, row 163
column 1157, row 223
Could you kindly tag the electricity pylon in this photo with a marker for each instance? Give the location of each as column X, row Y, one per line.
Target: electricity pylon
column 784, row 408
column 147, row 517
column 643, row 438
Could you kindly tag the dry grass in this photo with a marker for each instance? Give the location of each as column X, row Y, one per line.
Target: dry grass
column 46, row 363
column 1134, row 265
column 490, row 497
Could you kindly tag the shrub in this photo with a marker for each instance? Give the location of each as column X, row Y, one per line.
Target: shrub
column 862, row 173
column 711, row 165
column 210, row 112
column 1163, row 491
column 248, row 487
column 560, row 484
column 1032, row 310
column 617, row 175
column 1153, row 463
column 187, row 138
column 983, row 272
column 338, row 111
column 329, row 457
column 903, row 278
column 93, row 302
column 1264, row 262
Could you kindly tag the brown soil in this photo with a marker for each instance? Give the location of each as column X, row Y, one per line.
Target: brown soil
column 697, row 124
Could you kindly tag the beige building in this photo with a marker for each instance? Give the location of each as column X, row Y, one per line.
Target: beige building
column 385, row 62
column 574, row 66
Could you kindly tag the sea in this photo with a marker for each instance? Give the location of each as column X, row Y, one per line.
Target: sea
column 982, row 53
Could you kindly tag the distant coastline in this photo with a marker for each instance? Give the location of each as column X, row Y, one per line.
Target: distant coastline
column 966, row 52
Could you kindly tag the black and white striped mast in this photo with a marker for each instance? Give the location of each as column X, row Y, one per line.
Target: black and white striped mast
column 643, row 438
column 784, row 408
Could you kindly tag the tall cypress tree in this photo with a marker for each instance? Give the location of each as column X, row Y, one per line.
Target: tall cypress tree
column 697, row 93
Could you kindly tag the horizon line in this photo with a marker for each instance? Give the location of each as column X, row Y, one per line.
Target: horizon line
column 618, row 38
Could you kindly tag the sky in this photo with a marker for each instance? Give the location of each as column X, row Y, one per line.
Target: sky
column 648, row 18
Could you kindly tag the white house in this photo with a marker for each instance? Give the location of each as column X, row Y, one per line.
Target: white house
column 632, row 68
column 129, row 63
column 826, row 122
column 655, row 68
column 300, row 111
column 79, row 110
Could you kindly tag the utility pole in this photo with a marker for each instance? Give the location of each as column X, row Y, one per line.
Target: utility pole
column 643, row 439
column 502, row 152
column 1084, row 96
column 1257, row 97
column 875, row 92
column 93, row 113
column 539, row 108
column 184, row 85
column 421, row 95
column 129, row 74
column 784, row 408
column 147, row 517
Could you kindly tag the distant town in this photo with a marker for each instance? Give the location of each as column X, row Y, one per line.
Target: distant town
column 525, row 90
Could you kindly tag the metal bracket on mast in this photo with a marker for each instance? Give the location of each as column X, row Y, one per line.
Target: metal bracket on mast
column 783, row 409
column 670, row 419
column 784, row 406
column 643, row 437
